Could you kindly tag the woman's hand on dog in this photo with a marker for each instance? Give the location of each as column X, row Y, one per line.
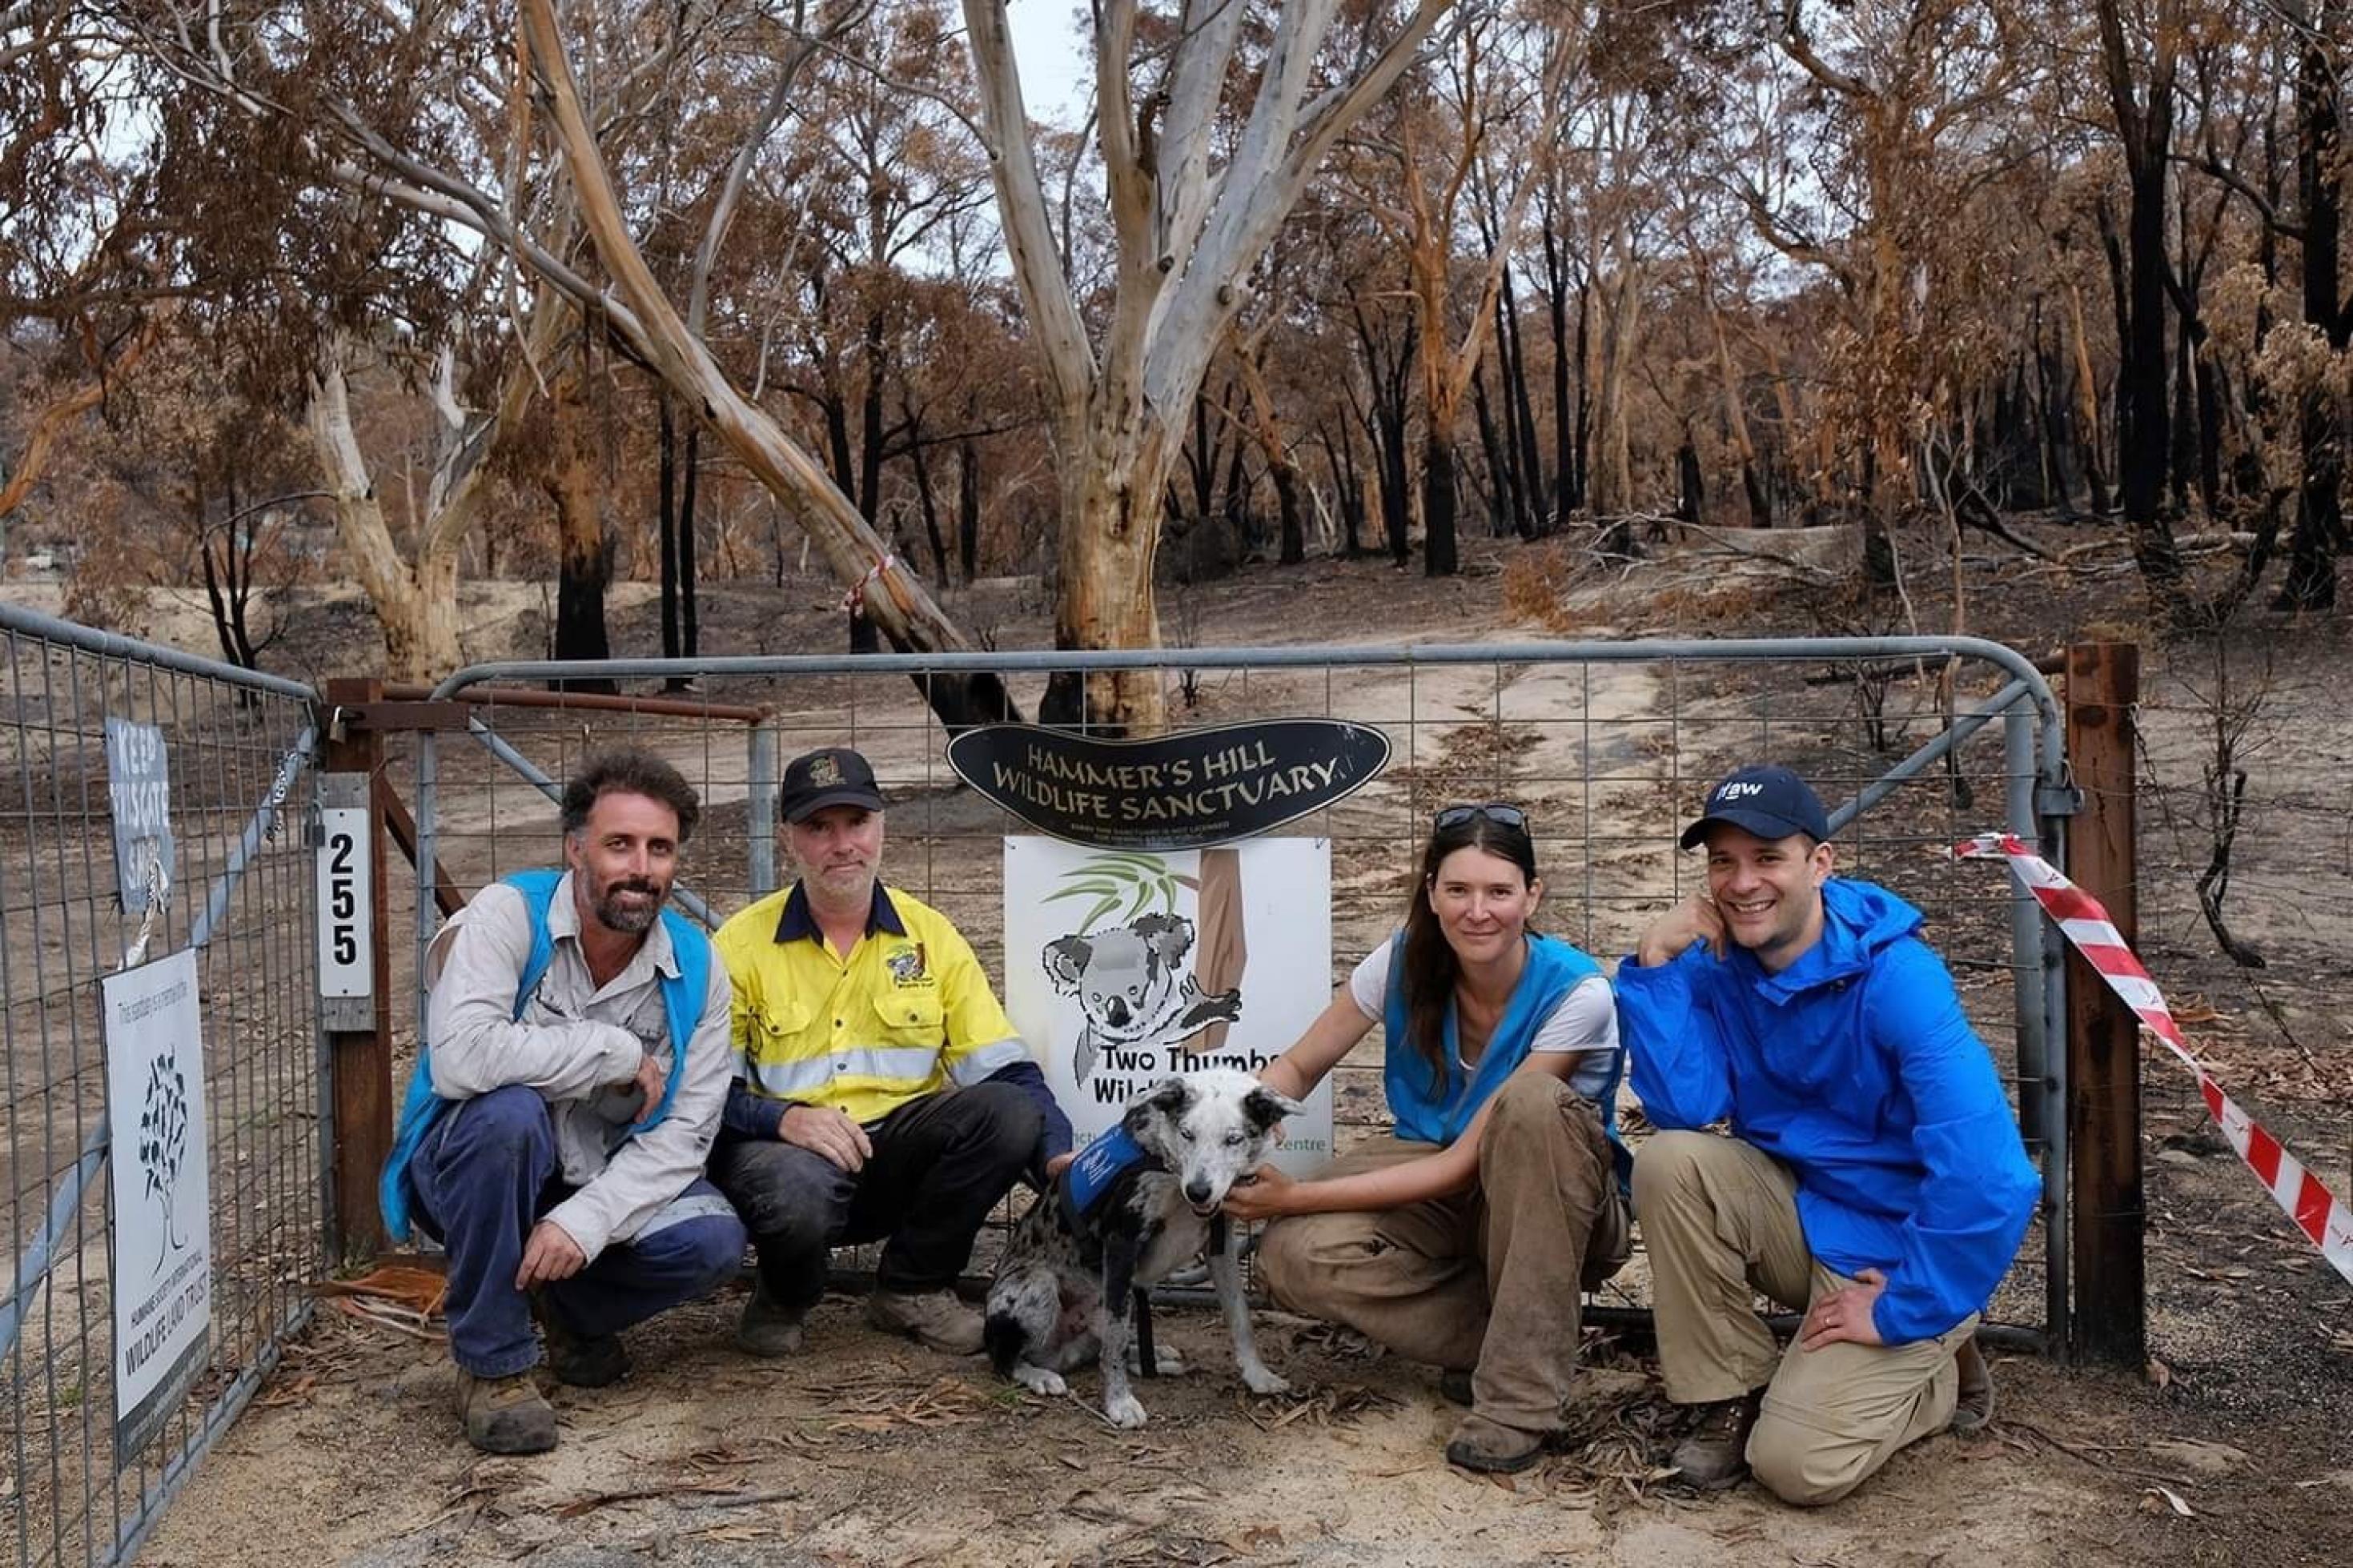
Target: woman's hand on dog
column 821, row 1129
column 1263, row 1195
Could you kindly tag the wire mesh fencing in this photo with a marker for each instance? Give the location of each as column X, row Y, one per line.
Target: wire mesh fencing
column 1915, row 743
column 223, row 750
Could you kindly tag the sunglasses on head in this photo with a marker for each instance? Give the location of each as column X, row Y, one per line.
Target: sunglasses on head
column 1494, row 811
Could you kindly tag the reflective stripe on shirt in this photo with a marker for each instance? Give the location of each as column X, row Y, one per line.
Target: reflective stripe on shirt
column 796, row 1079
column 979, row 1064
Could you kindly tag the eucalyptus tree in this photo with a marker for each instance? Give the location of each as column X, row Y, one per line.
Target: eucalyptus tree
column 1482, row 122
column 1201, row 163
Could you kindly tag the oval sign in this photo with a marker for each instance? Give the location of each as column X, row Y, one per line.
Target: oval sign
column 1185, row 791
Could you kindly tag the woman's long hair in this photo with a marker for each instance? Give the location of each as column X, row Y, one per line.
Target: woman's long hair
column 1429, row 968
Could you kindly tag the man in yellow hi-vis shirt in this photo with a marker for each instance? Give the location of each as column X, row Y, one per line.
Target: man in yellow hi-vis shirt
column 879, row 1092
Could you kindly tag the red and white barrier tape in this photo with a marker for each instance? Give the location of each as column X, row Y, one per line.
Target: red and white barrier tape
column 2316, row 1211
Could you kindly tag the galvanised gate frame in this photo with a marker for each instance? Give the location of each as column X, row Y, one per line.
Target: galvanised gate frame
column 236, row 743
column 1611, row 744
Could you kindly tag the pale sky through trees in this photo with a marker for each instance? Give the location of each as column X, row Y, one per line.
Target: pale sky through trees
column 1053, row 56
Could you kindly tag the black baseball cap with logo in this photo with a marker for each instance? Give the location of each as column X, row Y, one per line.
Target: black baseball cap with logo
column 833, row 775
column 1765, row 799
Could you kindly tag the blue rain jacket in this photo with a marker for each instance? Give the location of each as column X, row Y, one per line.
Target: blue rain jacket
column 1856, row 1067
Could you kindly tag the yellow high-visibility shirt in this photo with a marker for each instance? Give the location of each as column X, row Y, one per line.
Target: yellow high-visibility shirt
column 906, row 1014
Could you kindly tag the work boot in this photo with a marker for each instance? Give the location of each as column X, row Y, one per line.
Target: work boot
column 934, row 1317
column 1454, row 1386
column 1713, row 1454
column 580, row 1360
column 768, row 1330
column 506, row 1415
column 1974, row 1409
column 1492, row 1448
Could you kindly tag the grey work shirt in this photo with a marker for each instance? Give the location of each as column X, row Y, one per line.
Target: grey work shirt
column 579, row 1044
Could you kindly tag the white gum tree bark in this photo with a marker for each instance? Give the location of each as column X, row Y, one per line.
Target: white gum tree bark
column 415, row 596
column 1194, row 203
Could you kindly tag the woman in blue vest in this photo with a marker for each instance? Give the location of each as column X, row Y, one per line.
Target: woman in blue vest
column 1467, row 1239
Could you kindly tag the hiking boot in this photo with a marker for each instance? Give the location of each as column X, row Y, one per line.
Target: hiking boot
column 1713, row 1454
column 1974, row 1409
column 766, row 1329
column 1492, row 1448
column 1454, row 1386
column 934, row 1317
column 580, row 1360
column 506, row 1415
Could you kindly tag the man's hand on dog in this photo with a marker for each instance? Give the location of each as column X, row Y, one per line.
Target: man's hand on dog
column 1263, row 1195
column 550, row 1253
column 821, row 1129
column 1059, row 1163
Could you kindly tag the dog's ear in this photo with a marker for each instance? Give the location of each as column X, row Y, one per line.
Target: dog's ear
column 1265, row 1107
column 1163, row 1103
column 1067, row 958
column 1170, row 937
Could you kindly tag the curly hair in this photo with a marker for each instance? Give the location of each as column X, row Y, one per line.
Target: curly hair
column 629, row 770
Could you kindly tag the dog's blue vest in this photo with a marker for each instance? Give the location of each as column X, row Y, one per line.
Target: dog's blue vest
column 683, row 999
column 1087, row 1179
column 1427, row 1113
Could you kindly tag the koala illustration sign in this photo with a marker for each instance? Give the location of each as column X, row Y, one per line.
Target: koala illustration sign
column 1181, row 790
column 1123, row 967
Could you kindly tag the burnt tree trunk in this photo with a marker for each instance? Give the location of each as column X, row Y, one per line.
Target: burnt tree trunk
column 2311, row 582
column 584, row 553
column 968, row 508
column 2145, row 127
column 666, row 530
column 1439, row 555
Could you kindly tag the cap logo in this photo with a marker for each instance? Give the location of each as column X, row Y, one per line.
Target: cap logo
column 1737, row 790
column 825, row 773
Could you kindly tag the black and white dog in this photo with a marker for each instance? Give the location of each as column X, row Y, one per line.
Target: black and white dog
column 1137, row 1202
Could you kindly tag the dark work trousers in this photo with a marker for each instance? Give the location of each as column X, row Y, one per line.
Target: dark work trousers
column 939, row 1164
column 485, row 1174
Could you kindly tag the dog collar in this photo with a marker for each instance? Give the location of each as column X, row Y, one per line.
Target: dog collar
column 1087, row 1179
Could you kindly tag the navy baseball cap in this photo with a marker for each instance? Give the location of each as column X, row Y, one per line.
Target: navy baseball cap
column 833, row 776
column 1765, row 799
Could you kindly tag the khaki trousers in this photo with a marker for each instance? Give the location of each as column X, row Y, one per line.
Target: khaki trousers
column 1720, row 1220
column 1490, row 1278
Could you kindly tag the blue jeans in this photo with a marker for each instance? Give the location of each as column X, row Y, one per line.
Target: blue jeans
column 485, row 1175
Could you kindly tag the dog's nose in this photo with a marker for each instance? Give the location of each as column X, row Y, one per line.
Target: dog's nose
column 1196, row 1192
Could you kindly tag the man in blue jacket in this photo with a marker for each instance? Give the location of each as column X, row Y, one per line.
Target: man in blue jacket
column 1874, row 1177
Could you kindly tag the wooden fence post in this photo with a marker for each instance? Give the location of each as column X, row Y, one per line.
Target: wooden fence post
column 359, row 1041
column 2110, row 1323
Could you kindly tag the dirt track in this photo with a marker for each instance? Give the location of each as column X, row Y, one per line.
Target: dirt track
column 868, row 1452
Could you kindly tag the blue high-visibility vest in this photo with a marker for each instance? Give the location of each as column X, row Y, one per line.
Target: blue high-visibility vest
column 682, row 998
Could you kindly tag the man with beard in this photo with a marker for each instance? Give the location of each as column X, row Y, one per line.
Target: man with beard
column 879, row 1090
column 556, row 1132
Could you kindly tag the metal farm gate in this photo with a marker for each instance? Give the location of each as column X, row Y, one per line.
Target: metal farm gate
column 1920, row 742
column 234, row 888
column 1608, row 745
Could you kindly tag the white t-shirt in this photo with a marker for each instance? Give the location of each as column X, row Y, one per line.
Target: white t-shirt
column 1586, row 1020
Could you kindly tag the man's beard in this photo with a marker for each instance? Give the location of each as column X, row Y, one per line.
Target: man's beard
column 629, row 920
column 847, row 882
